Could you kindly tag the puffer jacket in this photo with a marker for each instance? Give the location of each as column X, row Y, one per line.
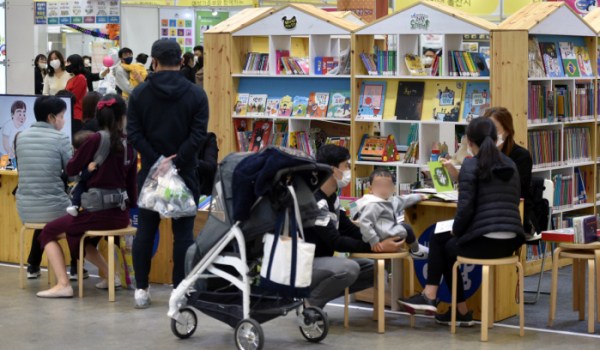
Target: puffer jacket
column 488, row 206
column 42, row 155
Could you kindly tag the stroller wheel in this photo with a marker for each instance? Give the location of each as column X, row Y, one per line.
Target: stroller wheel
column 249, row 335
column 316, row 324
column 182, row 331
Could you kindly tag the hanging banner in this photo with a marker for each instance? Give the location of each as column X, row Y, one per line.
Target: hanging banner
column 40, row 12
column 77, row 12
column 178, row 25
column 582, row 7
column 206, row 20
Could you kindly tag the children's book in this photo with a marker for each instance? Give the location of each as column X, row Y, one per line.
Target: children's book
column 446, row 99
column 300, row 106
column 241, row 104
column 536, row 65
column 583, row 61
column 415, row 65
column 272, row 109
column 372, row 96
column 569, row 60
column 241, row 124
column 440, row 176
column 257, row 105
column 285, row 106
column 477, row 100
column 339, row 104
column 480, row 64
column 552, row 60
column 260, row 136
column 317, row 104
column 409, row 103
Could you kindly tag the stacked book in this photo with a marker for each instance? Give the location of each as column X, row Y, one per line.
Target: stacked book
column 295, row 66
column 544, row 146
column 339, row 141
column 467, row 64
column 583, row 230
column 301, row 140
column 577, row 145
column 584, row 101
column 256, row 63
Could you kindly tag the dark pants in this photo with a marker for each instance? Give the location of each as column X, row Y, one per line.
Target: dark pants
column 410, row 234
column 80, row 189
column 36, row 252
column 444, row 249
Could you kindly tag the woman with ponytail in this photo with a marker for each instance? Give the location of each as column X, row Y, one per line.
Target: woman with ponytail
column 487, row 223
column 114, row 178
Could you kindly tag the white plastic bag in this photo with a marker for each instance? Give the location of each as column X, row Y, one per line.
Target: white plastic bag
column 165, row 192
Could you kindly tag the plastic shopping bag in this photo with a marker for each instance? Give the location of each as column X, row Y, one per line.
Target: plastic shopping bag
column 165, row 192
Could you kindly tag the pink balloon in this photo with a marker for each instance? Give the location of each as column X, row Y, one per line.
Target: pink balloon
column 108, row 61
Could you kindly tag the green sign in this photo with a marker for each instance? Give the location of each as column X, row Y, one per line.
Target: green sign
column 206, row 20
column 76, row 20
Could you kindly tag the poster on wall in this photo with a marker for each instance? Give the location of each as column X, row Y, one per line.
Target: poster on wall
column 206, row 20
column 99, row 51
column 77, row 12
column 582, row 7
column 178, row 25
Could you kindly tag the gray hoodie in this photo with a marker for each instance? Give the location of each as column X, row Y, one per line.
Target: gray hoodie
column 377, row 217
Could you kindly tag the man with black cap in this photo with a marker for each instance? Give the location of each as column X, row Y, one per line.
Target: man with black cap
column 167, row 116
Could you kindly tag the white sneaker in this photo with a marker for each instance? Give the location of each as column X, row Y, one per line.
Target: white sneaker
column 142, row 299
column 73, row 210
column 104, row 283
column 422, row 254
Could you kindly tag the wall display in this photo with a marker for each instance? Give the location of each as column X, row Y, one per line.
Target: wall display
column 178, row 25
column 206, row 20
column 365, row 9
column 99, row 51
column 77, row 12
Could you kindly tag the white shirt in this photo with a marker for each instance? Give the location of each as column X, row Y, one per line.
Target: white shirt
column 10, row 130
column 53, row 84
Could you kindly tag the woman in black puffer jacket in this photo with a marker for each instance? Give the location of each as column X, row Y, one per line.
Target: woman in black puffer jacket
column 487, row 223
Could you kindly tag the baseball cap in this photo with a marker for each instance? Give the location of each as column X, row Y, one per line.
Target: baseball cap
column 165, row 50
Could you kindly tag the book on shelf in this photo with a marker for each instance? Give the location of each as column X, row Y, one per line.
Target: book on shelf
column 338, row 141
column 577, row 145
column 436, row 66
column 569, row 60
column 300, row 104
column 409, row 102
column 467, row 64
column 285, row 106
column 257, row 104
column 446, row 97
column 413, row 134
column 536, row 64
column 563, row 191
column 272, row 107
column 339, row 104
column 241, row 104
column 581, row 182
column 477, row 100
column 378, row 148
column 584, row 101
column 279, row 54
column 552, row 61
column 241, row 124
column 534, row 251
column 260, row 135
column 583, row 61
column 412, row 154
column 372, row 98
column 317, row 104
column 380, row 62
column 256, row 63
column 415, row 65
column 544, row 146
column 584, row 228
column 300, row 140
column 295, row 65
column 562, row 98
column 324, row 65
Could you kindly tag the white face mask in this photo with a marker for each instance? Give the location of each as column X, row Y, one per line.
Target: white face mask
column 43, row 65
column 428, row 60
column 500, row 140
column 195, row 59
column 55, row 64
column 346, row 177
column 86, row 63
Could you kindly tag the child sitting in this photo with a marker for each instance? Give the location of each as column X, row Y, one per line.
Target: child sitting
column 139, row 68
column 84, row 176
column 377, row 214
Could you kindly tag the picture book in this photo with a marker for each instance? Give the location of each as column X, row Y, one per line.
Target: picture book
column 569, row 60
column 583, row 61
column 440, row 176
column 4, row 161
column 552, row 60
column 285, row 106
column 415, row 65
column 257, row 105
column 299, row 107
column 241, row 125
column 477, row 100
column 445, row 97
column 272, row 109
column 409, row 103
column 241, row 104
column 370, row 105
column 317, row 104
column 536, row 65
column 260, row 135
column 339, row 104
column 480, row 64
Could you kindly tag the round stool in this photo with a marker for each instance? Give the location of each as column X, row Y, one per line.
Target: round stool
column 26, row 227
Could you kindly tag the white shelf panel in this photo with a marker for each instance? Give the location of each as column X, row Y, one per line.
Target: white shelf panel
column 575, row 207
column 591, row 162
column 552, row 168
column 397, row 164
column 291, row 118
column 261, row 117
column 425, row 122
column 561, row 78
column 419, row 77
column 290, row 76
column 580, row 121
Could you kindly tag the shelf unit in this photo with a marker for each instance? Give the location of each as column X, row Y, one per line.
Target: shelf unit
column 593, row 19
column 511, row 58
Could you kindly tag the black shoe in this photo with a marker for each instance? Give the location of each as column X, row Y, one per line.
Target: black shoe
column 73, row 276
column 465, row 320
column 419, row 304
column 33, row 272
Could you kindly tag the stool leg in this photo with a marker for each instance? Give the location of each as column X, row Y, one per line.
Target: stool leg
column 575, row 284
column 111, row 268
column 411, row 285
column 22, row 259
column 581, row 289
column 375, row 292
column 521, row 300
column 485, row 305
column 554, row 285
column 381, row 295
column 597, row 263
column 346, row 306
column 80, row 267
column 591, row 287
column 454, row 282
column 491, row 298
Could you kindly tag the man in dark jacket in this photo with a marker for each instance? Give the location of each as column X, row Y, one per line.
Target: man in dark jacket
column 167, row 116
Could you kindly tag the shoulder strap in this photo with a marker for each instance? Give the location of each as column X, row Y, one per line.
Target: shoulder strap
column 104, row 148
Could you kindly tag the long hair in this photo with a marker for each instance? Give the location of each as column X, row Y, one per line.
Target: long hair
column 482, row 132
column 37, row 61
column 187, row 58
column 59, row 57
column 111, row 117
column 89, row 104
column 503, row 116
column 77, row 63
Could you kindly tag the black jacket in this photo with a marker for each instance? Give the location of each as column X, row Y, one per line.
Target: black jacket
column 208, row 156
column 333, row 230
column 92, row 125
column 91, row 78
column 188, row 73
column 167, row 115
column 39, row 81
column 490, row 206
column 524, row 163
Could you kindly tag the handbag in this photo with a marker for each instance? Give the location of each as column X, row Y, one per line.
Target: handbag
column 288, row 259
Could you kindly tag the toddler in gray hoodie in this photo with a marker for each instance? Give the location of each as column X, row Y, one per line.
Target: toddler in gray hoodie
column 377, row 214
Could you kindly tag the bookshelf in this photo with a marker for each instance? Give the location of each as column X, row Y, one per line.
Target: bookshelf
column 512, row 58
column 593, row 18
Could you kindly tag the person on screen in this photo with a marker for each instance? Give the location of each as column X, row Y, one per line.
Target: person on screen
column 18, row 111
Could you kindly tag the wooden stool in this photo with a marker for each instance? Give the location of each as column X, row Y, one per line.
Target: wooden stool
column 578, row 281
column 129, row 231
column 379, row 285
column 487, row 297
column 51, row 275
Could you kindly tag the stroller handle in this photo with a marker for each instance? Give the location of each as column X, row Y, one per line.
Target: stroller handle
column 321, row 168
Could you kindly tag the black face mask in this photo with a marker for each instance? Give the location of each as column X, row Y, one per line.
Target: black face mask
column 69, row 69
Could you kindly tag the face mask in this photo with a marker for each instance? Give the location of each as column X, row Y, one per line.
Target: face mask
column 86, row 63
column 55, row 64
column 195, row 59
column 69, row 69
column 128, row 60
column 43, row 65
column 500, row 140
column 346, row 177
column 428, row 60
column 470, row 152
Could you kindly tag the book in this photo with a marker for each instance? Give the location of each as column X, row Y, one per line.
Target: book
column 409, row 103
column 272, row 108
column 4, row 161
column 260, row 135
column 339, row 104
column 477, row 100
column 583, row 61
column 440, row 176
column 256, row 63
column 241, row 124
column 241, row 104
column 299, row 106
column 372, row 98
column 536, row 64
column 569, row 60
column 552, row 60
column 415, row 65
column 278, row 55
column 447, row 98
column 257, row 105
column 480, row 63
column 544, row 146
column 317, row 104
column 285, row 106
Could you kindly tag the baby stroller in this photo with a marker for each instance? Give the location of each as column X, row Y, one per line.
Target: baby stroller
column 222, row 266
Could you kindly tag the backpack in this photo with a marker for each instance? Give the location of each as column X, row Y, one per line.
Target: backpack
column 541, row 206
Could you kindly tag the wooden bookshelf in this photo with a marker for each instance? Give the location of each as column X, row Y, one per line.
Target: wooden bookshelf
column 593, row 19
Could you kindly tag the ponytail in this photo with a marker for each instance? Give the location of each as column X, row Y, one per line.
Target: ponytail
column 482, row 132
column 109, row 113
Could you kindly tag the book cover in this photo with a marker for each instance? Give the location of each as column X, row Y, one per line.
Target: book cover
column 240, row 124
column 409, row 103
column 317, row 104
column 551, row 60
column 260, row 135
column 370, row 105
column 3, row 161
column 590, row 226
column 300, row 106
column 440, row 176
column 285, row 106
column 583, row 61
column 569, row 60
column 257, row 105
column 480, row 64
column 444, row 101
column 339, row 104
column 477, row 100
column 415, row 65
column 241, row 104
column 272, row 108
column 536, row 65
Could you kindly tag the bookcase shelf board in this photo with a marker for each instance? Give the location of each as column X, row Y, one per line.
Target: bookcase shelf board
column 414, row 77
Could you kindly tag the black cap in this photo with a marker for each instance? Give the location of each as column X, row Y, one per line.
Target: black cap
column 166, row 49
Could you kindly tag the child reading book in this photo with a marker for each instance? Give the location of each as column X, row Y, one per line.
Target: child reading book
column 378, row 214
column 84, row 176
column 139, row 68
